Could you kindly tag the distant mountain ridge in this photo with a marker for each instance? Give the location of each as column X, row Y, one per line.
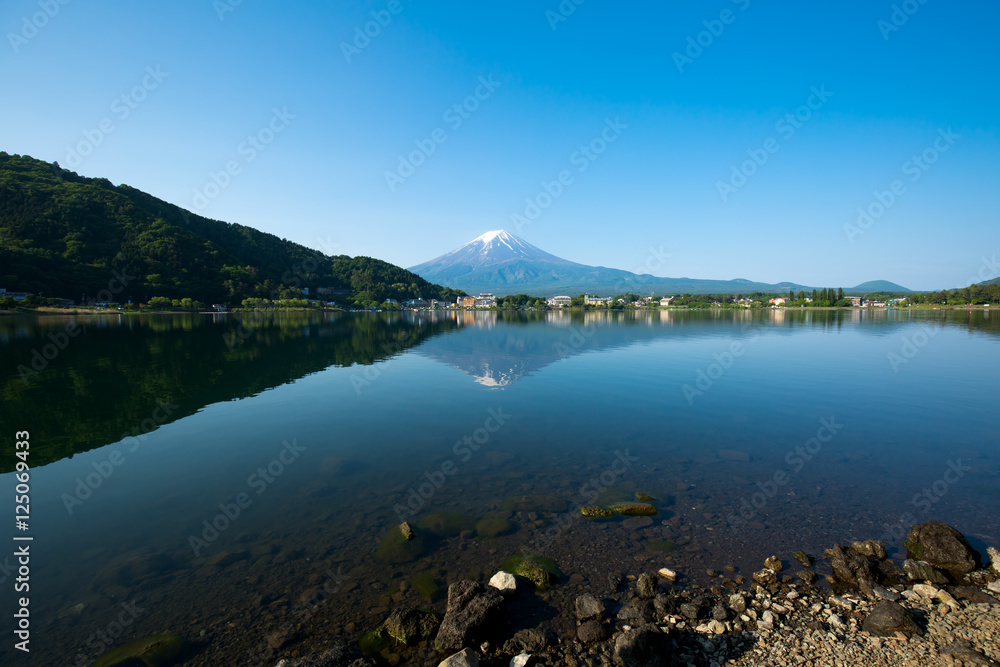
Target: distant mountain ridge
column 503, row 263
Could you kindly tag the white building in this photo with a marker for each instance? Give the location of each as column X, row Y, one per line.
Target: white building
column 560, row 301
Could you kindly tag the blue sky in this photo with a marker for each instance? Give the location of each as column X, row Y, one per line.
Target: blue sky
column 698, row 159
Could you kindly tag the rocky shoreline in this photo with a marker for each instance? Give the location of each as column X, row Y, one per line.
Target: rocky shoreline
column 939, row 607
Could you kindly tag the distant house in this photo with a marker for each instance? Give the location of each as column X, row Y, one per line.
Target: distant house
column 17, row 296
column 665, row 301
column 856, row 301
column 417, row 303
column 595, row 300
column 466, row 301
column 333, row 291
column 392, row 302
column 560, row 301
column 485, row 300
column 219, row 307
column 778, row 301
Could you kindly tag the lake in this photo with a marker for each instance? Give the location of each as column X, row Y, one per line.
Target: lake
column 225, row 480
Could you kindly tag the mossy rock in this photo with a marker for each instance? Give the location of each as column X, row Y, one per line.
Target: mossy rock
column 158, row 651
column 411, row 626
column 634, row 509
column 643, row 498
column 541, row 572
column 375, row 641
column 133, row 570
column 447, row 524
column 492, row 526
column 594, row 512
column 426, row 587
column 535, row 503
column 395, row 548
column 660, row 546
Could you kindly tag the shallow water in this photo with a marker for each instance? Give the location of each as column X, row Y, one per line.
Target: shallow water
column 305, row 438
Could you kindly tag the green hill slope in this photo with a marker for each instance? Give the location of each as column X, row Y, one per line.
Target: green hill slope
column 64, row 235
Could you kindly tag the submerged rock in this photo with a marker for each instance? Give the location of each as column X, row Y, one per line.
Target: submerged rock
column 593, row 512
column 493, row 527
column 407, row 530
column 410, row 626
column 535, row 503
column 540, row 571
column 426, row 586
column 158, row 651
column 447, row 524
column 634, row 509
column 803, row 558
column 588, row 607
column 643, row 498
column 395, row 548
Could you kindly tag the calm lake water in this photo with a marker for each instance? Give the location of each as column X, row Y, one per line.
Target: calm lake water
column 220, row 482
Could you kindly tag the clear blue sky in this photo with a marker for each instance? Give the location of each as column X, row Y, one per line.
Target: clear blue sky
column 226, row 66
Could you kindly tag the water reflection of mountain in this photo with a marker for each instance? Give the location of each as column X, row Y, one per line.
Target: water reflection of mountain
column 499, row 348
column 116, row 374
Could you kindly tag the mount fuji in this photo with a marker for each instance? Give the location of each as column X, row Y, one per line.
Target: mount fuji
column 503, row 263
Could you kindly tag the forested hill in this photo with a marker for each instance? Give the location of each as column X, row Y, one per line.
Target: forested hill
column 64, row 235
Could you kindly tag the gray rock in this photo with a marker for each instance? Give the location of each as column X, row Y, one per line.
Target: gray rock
column 338, row 656
column 808, row 576
column 645, row 646
column 885, row 594
column 974, row 595
column 943, row 547
column 962, row 650
column 530, row 640
column 591, row 631
column 719, row 612
column 646, row 586
column 637, row 612
column 872, row 548
column 852, row 570
column 474, row 614
column 994, row 558
column 774, row 563
column 765, row 577
column 918, row 570
column 691, row 610
column 738, row 603
column 464, row 658
column 588, row 607
column 888, row 618
column 520, row 660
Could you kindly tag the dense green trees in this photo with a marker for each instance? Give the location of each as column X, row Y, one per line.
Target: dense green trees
column 63, row 235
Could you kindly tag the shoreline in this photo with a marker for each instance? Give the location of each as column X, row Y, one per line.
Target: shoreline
column 876, row 612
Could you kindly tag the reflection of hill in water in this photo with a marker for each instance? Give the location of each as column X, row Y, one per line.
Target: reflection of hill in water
column 112, row 378
column 499, row 348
